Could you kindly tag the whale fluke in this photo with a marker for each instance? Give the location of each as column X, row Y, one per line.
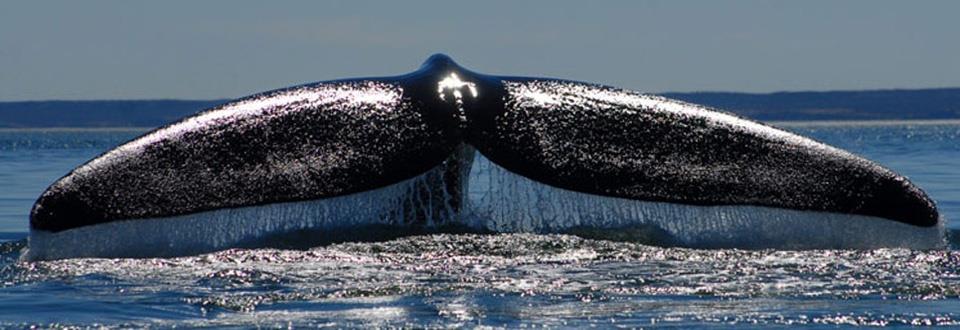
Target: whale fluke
column 399, row 151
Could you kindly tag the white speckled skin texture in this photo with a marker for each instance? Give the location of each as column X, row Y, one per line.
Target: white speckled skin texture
column 618, row 143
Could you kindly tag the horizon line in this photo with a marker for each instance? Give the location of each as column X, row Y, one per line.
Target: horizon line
column 658, row 93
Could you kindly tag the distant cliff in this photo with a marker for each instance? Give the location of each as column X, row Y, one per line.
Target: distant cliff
column 943, row 103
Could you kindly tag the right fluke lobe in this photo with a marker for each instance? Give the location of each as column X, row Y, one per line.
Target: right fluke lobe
column 612, row 142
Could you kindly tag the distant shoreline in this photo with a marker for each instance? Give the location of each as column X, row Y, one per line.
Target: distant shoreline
column 878, row 122
column 76, row 129
column 781, row 123
column 876, row 107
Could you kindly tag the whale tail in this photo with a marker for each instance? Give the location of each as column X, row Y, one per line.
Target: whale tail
column 401, row 151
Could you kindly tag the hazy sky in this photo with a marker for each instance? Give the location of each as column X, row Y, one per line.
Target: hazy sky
column 226, row 49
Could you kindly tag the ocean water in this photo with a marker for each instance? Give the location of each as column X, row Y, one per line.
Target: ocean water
column 515, row 280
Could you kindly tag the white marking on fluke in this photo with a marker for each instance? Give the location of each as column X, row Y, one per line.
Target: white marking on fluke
column 453, row 82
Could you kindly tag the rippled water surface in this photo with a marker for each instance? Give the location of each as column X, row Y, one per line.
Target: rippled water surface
column 488, row 280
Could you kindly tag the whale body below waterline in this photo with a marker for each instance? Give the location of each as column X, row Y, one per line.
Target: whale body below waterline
column 447, row 149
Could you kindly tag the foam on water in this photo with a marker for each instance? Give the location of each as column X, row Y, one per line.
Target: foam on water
column 496, row 200
column 509, row 280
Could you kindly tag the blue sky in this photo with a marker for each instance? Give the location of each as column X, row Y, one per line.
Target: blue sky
column 226, row 49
